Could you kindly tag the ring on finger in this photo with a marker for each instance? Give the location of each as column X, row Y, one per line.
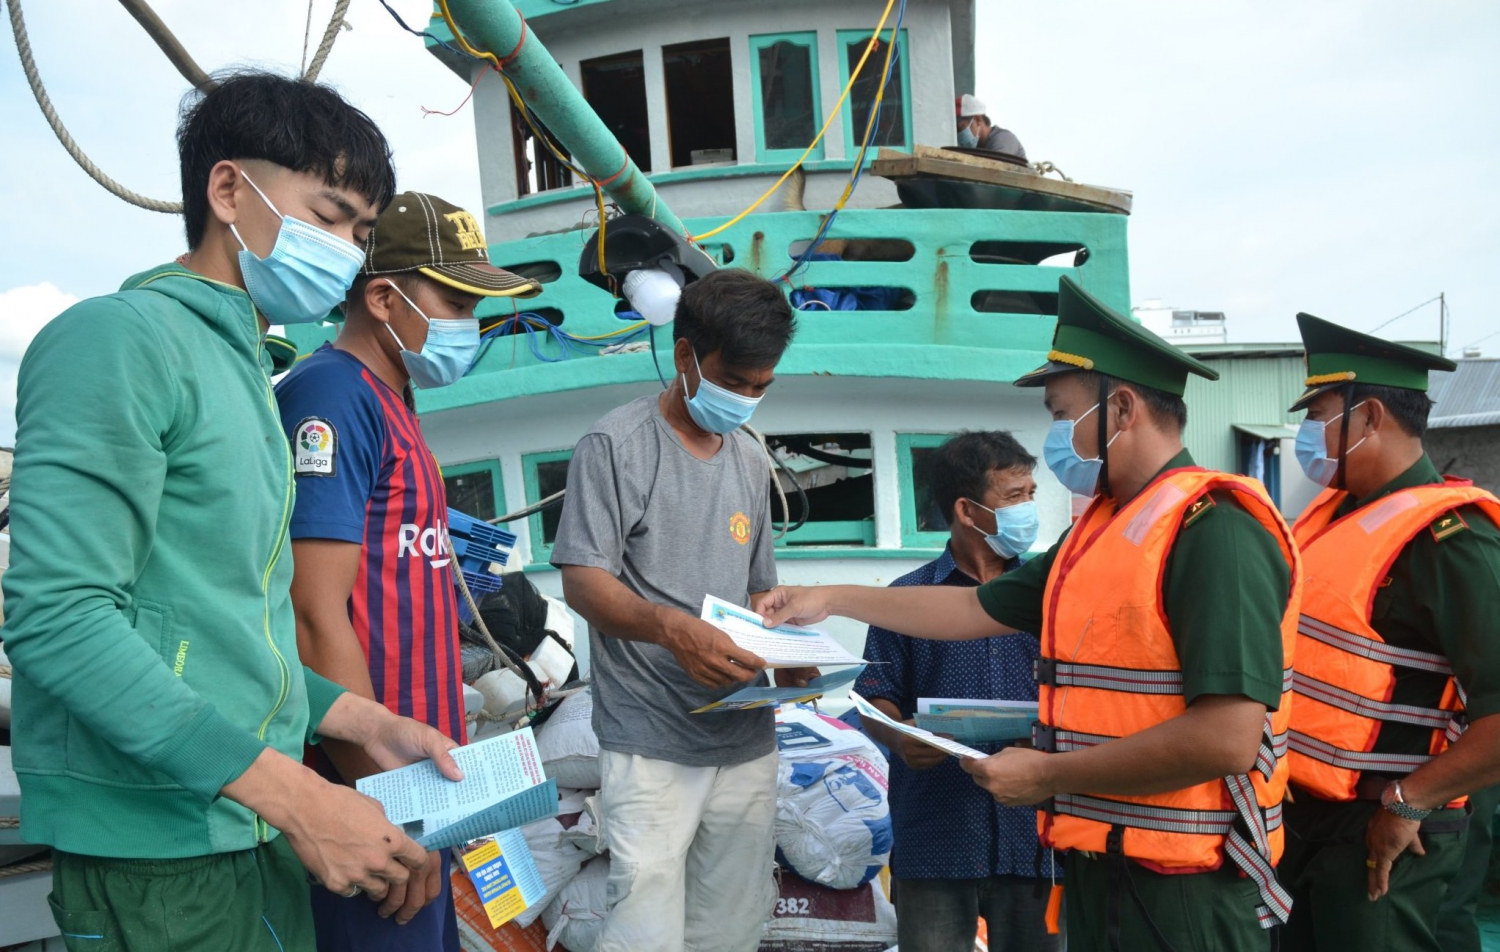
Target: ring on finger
column 353, row 891
column 1371, row 863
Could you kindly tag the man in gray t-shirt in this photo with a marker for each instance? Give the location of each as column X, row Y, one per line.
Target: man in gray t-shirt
column 669, row 501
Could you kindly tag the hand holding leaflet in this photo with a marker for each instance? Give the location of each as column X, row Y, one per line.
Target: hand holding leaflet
column 927, row 737
column 785, row 646
column 503, row 787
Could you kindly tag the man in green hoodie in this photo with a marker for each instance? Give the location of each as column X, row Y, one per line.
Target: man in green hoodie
column 160, row 710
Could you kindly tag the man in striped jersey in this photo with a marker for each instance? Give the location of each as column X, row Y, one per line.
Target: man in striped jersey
column 373, row 589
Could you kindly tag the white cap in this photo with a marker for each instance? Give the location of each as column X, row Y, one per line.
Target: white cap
column 969, row 106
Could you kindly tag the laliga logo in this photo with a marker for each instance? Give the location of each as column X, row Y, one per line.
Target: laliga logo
column 414, row 540
column 315, row 438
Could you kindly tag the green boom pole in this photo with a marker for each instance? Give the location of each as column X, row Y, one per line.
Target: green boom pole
column 496, row 26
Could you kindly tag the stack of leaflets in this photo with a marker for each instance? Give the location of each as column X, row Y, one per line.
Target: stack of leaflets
column 785, row 646
column 504, row 788
column 975, row 721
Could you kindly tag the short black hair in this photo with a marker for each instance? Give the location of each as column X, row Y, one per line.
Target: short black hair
column 741, row 316
column 298, row 125
column 407, row 281
column 1165, row 408
column 960, row 468
column 1409, row 408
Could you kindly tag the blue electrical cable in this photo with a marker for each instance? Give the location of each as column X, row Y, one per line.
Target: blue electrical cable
column 422, row 33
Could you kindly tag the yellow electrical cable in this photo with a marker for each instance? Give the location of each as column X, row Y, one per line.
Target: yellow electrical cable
column 624, row 330
column 864, row 146
column 827, row 123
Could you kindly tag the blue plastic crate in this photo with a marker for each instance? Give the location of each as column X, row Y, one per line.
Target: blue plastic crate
column 477, row 543
column 480, row 585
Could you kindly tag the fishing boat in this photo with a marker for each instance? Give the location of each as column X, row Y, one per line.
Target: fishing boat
column 714, row 103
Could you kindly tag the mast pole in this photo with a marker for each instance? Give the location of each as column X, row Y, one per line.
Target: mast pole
column 496, row 26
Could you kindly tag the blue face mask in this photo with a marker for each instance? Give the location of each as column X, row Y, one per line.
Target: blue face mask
column 966, row 138
column 1312, row 449
column 1015, row 528
column 446, row 355
column 1078, row 475
column 305, row 276
column 714, row 408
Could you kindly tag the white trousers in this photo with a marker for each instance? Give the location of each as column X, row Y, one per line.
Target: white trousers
column 691, row 854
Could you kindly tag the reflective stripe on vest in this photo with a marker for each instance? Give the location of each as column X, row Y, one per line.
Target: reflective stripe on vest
column 1345, row 672
column 1309, row 686
column 1374, row 650
column 1127, row 678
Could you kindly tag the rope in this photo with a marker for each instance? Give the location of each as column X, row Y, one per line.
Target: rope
column 39, row 90
column 786, row 513
column 1047, row 168
column 4, row 670
column 10, row 822
column 38, row 866
column 484, row 630
column 335, row 23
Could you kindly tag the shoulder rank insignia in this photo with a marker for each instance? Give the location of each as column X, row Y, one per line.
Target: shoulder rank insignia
column 1449, row 523
column 1197, row 510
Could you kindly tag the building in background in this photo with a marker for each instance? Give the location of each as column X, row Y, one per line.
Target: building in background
column 1181, row 327
column 1463, row 433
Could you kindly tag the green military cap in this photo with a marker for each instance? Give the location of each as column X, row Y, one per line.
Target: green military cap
column 423, row 233
column 283, row 353
column 1337, row 356
column 1092, row 336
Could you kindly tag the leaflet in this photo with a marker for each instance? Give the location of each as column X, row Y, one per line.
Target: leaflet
column 751, row 698
column 504, row 874
column 785, row 646
column 927, row 737
column 977, row 721
column 504, row 787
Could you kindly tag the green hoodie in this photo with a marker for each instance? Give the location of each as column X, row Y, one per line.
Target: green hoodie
column 148, row 614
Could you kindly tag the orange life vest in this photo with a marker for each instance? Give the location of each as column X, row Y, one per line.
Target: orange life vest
column 1108, row 669
column 1345, row 671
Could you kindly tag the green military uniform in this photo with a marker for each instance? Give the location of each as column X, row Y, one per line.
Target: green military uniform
column 1224, row 589
column 1441, row 596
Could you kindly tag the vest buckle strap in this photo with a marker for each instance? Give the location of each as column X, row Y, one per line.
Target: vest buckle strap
column 1104, row 678
column 1325, row 752
column 1371, row 649
column 1044, row 670
column 1309, row 686
column 1043, row 738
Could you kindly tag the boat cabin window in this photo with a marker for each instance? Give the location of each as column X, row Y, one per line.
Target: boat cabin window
column 894, row 126
column 537, row 168
column 700, row 102
column 474, row 489
column 784, row 82
column 546, row 473
column 923, row 524
column 616, row 87
column 835, row 472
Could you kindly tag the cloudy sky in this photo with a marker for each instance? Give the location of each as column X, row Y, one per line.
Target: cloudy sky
column 1339, row 158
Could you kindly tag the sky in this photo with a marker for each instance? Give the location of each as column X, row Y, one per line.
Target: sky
column 1338, row 158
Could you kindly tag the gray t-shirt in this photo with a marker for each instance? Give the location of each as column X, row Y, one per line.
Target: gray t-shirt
column 673, row 528
column 1003, row 140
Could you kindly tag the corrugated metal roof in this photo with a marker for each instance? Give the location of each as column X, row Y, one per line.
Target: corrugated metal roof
column 1469, row 396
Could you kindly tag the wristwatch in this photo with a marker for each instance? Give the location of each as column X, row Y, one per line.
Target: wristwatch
column 1392, row 800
